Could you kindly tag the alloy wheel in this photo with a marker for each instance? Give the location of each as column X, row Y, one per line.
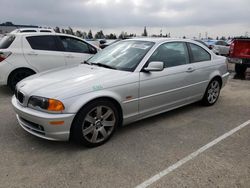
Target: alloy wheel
column 213, row 91
column 98, row 124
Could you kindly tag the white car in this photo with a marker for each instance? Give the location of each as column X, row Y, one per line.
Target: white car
column 30, row 30
column 24, row 54
column 127, row 81
column 219, row 45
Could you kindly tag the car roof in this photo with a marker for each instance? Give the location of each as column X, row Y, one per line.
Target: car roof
column 161, row 39
column 33, row 30
column 42, row 33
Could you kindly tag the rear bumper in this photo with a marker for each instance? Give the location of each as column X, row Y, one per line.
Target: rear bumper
column 38, row 123
column 225, row 78
column 5, row 69
column 234, row 60
column 239, row 61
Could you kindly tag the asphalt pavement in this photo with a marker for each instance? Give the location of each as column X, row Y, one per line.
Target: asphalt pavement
column 137, row 151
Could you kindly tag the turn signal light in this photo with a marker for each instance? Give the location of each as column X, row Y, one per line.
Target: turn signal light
column 55, row 105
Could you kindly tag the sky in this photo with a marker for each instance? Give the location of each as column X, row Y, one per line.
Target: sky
column 190, row 18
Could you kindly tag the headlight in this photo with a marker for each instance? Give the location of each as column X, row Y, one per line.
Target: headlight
column 45, row 104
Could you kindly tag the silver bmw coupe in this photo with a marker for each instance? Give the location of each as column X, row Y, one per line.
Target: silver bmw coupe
column 127, row 81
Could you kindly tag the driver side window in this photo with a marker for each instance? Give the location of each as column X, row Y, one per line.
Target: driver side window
column 171, row 54
column 74, row 45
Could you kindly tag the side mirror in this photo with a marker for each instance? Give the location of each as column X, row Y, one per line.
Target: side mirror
column 154, row 66
column 92, row 50
column 102, row 41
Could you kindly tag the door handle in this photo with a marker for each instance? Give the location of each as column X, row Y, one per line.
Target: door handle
column 32, row 53
column 69, row 56
column 190, row 69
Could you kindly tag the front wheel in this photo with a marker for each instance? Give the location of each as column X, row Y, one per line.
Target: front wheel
column 95, row 123
column 212, row 93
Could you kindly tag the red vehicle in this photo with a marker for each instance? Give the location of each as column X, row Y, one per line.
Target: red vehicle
column 239, row 54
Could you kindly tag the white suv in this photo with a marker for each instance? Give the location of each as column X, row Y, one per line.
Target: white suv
column 24, row 54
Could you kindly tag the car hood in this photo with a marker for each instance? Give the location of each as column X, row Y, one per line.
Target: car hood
column 72, row 81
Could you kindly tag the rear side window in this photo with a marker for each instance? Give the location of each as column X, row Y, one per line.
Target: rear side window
column 43, row 43
column 74, row 45
column 198, row 53
column 6, row 41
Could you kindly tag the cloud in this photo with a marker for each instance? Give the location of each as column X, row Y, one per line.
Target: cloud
column 129, row 13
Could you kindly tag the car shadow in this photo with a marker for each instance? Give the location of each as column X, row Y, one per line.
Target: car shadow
column 5, row 91
column 71, row 146
column 157, row 118
column 245, row 76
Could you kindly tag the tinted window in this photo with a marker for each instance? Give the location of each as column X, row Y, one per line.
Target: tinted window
column 43, row 43
column 74, row 45
column 171, row 54
column 199, row 54
column 45, row 31
column 6, row 41
column 28, row 31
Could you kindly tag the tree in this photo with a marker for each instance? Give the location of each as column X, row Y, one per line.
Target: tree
column 223, row 38
column 111, row 36
column 57, row 30
column 63, row 31
column 121, row 36
column 99, row 35
column 90, row 36
column 145, row 33
column 217, row 38
column 70, row 31
column 79, row 33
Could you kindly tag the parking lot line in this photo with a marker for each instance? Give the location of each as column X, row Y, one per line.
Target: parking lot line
column 190, row 156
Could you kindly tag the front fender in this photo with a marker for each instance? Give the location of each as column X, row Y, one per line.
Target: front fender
column 74, row 104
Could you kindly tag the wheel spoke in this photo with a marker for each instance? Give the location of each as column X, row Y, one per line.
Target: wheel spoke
column 94, row 136
column 90, row 119
column 209, row 98
column 88, row 130
column 99, row 112
column 107, row 114
column 108, row 123
column 103, row 132
column 214, row 85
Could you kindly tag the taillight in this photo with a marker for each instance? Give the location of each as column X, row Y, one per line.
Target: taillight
column 4, row 55
column 231, row 49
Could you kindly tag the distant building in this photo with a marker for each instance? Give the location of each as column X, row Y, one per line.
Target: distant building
column 7, row 27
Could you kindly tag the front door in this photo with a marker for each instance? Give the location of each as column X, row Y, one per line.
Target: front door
column 172, row 87
column 75, row 50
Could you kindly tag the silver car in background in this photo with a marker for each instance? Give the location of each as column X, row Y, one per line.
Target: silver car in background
column 126, row 82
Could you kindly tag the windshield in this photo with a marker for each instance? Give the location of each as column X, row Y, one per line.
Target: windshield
column 124, row 55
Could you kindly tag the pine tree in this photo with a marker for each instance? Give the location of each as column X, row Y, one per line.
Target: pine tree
column 145, row 33
column 90, row 36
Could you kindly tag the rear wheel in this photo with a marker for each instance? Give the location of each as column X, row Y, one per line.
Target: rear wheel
column 95, row 123
column 240, row 69
column 17, row 76
column 212, row 93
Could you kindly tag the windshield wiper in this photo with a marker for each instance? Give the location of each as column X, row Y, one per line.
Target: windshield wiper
column 103, row 65
column 85, row 62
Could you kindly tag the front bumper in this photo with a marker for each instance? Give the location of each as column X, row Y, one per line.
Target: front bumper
column 38, row 123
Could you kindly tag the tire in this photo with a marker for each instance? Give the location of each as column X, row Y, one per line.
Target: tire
column 212, row 93
column 95, row 123
column 240, row 69
column 17, row 76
